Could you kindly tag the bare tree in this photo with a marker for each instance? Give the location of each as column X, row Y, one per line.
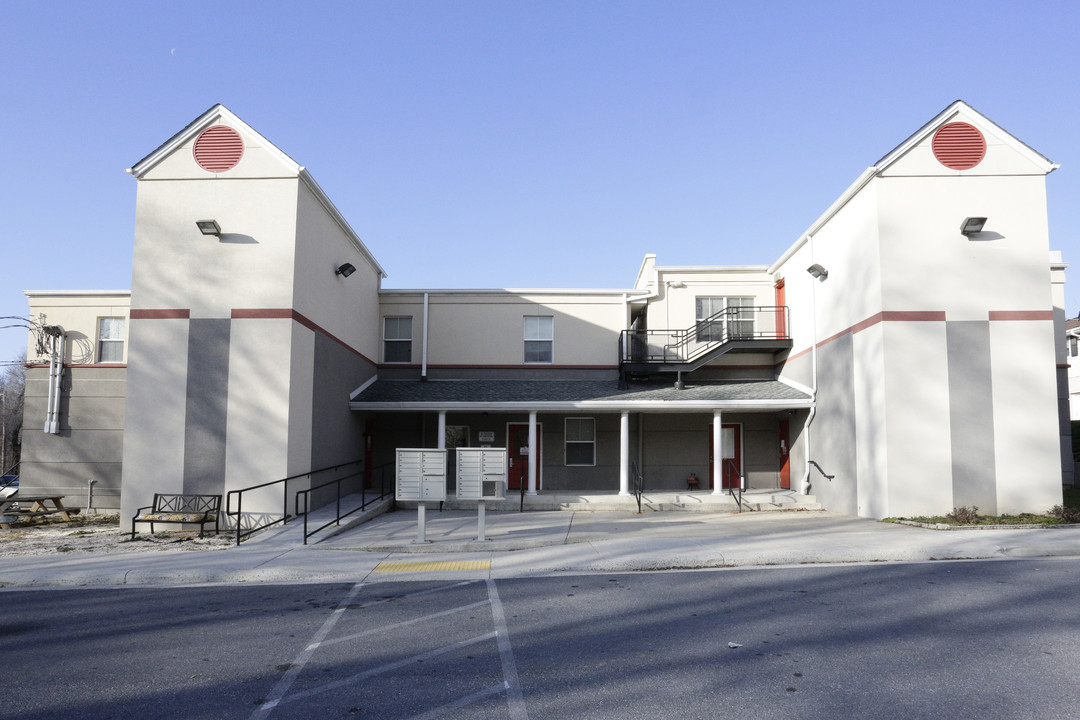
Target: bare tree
column 12, row 387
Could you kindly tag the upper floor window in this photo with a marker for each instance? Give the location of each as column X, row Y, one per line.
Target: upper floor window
column 539, row 339
column 397, row 339
column 110, row 344
column 580, row 441
column 1074, row 342
column 716, row 316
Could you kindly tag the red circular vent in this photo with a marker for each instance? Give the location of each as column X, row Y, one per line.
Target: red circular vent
column 959, row 146
column 218, row 148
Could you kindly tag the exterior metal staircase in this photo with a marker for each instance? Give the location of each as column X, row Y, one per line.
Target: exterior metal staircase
column 757, row 329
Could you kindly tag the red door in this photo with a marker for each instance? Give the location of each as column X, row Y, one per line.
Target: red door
column 517, row 451
column 781, row 311
column 731, row 440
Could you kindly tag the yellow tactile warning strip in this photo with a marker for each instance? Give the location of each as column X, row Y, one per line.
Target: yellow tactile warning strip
column 440, row 566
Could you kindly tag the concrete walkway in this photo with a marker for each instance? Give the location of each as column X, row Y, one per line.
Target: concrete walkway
column 540, row 543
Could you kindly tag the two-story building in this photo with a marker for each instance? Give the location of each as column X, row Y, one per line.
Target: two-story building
column 902, row 357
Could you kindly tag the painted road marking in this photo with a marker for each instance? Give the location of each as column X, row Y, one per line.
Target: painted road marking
column 437, row 566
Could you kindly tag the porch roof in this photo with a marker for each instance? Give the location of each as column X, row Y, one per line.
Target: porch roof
column 577, row 394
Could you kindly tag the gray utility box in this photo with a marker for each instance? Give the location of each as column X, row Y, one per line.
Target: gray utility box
column 421, row 475
column 481, row 473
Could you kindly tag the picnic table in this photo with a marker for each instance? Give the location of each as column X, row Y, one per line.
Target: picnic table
column 33, row 506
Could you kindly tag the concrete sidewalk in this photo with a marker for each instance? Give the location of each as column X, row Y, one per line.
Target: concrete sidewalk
column 541, row 543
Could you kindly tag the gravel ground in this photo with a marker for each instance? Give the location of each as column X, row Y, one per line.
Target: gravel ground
column 100, row 534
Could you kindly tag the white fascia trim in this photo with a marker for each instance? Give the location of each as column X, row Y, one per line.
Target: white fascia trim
column 863, row 180
column 362, row 388
column 795, row 385
column 77, row 293
column 322, row 197
column 641, row 270
column 511, row 291
column 204, row 121
column 951, row 112
column 594, row 405
column 711, row 269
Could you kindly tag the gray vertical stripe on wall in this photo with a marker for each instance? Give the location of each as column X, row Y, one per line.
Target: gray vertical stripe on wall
column 207, row 404
column 971, row 414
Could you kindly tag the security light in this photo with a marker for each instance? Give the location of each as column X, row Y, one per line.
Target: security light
column 972, row 225
column 817, row 271
column 209, row 227
column 345, row 269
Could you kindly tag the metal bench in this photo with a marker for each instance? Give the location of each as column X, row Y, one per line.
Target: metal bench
column 179, row 508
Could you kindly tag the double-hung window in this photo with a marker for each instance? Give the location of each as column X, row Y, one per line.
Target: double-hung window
column 110, row 344
column 539, row 339
column 397, row 339
column 720, row 318
column 580, row 441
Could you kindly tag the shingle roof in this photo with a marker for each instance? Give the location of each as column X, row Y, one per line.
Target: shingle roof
column 405, row 393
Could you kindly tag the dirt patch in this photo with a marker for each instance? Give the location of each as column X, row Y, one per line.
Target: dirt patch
column 99, row 534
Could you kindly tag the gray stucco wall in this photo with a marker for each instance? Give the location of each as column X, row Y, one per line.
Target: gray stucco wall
column 832, row 433
column 206, row 410
column 971, row 415
column 90, row 444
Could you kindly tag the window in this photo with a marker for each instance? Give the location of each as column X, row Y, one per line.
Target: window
column 397, row 339
column 580, row 441
column 1073, row 342
column 110, row 340
column 737, row 318
column 539, row 339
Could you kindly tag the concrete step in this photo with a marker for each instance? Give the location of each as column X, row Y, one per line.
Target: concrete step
column 689, row 501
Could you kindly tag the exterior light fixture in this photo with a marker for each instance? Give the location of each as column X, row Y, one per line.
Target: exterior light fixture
column 972, row 225
column 818, row 271
column 345, row 269
column 209, row 227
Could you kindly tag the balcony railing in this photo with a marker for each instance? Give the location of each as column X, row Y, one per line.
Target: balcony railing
column 681, row 347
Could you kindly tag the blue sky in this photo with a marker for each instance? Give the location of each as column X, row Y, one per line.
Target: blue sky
column 515, row 144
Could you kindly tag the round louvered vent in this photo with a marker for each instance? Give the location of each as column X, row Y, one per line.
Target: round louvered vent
column 218, row 148
column 959, row 146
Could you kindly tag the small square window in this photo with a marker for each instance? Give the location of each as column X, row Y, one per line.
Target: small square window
column 539, row 339
column 397, row 339
column 580, row 441
column 110, row 345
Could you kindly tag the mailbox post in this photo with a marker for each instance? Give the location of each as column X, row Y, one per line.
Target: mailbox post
column 481, row 475
column 421, row 477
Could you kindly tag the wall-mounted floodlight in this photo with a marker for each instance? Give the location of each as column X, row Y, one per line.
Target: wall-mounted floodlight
column 345, row 269
column 209, row 227
column 818, row 271
column 972, row 225
column 676, row 284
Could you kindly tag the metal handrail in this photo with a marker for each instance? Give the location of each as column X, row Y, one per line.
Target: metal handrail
column 284, row 519
column 639, row 483
column 338, row 514
column 739, row 487
column 686, row 345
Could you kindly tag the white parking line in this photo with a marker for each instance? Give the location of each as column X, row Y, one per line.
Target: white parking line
column 386, row 668
column 462, row 702
column 395, row 626
column 514, row 700
column 286, row 681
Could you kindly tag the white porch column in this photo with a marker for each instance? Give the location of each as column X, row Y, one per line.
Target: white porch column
column 717, row 455
column 441, row 444
column 624, row 454
column 532, row 454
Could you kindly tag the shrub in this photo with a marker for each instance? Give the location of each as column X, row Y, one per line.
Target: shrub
column 965, row 515
column 1065, row 514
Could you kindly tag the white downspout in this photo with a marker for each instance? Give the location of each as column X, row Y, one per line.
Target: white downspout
column 805, row 485
column 423, row 355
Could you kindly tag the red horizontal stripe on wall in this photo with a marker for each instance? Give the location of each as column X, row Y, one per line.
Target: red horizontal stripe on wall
column 290, row 314
column 1021, row 314
column 175, row 314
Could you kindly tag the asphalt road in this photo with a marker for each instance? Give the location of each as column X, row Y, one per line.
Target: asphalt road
column 992, row 639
